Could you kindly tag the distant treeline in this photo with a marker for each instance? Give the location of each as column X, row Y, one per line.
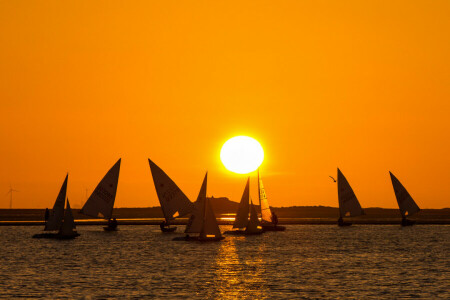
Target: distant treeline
column 223, row 206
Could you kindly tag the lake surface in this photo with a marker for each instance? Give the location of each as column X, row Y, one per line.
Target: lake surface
column 305, row 261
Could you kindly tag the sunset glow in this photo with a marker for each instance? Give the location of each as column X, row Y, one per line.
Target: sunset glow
column 360, row 85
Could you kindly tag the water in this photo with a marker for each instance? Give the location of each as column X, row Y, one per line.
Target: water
column 315, row 261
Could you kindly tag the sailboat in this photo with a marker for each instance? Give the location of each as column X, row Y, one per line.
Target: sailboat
column 101, row 202
column 405, row 202
column 348, row 203
column 241, row 220
column 268, row 220
column 202, row 221
column 174, row 202
column 68, row 228
column 56, row 215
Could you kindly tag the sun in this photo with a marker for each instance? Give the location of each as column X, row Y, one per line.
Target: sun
column 242, row 154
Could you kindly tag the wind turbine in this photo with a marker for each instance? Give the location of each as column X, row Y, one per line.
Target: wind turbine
column 11, row 190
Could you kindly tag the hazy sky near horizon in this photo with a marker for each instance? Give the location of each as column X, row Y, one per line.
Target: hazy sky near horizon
column 359, row 85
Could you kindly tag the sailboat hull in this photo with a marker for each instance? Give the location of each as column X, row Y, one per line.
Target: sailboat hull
column 260, row 231
column 45, row 235
column 168, row 229
column 215, row 239
column 406, row 222
column 243, row 232
column 344, row 224
column 273, row 228
column 107, row 228
column 67, row 237
column 55, row 236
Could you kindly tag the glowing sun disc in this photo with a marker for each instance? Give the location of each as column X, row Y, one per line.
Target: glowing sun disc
column 242, row 154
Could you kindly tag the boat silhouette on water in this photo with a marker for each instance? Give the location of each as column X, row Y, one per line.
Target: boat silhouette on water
column 67, row 229
column 174, row 202
column 348, row 203
column 56, row 215
column 101, row 202
column 406, row 204
column 59, row 221
column 269, row 220
column 202, row 221
column 165, row 227
column 242, row 223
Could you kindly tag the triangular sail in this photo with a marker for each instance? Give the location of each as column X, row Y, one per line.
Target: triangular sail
column 174, row 202
column 101, row 202
column 266, row 213
column 241, row 219
column 68, row 225
column 348, row 203
column 210, row 227
column 195, row 222
column 254, row 224
column 57, row 214
column 405, row 202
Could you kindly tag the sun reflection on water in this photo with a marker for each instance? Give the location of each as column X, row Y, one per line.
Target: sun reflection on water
column 240, row 274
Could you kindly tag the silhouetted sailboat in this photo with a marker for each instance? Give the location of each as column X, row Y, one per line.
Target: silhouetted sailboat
column 57, row 213
column 241, row 220
column 195, row 222
column 202, row 221
column 348, row 203
column 254, row 225
column 405, row 202
column 68, row 228
column 174, row 202
column 269, row 221
column 56, row 216
column 101, row 202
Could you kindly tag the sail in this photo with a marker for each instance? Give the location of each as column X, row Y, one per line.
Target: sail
column 57, row 214
column 68, row 225
column 210, row 227
column 348, row 203
column 174, row 202
column 241, row 219
column 195, row 222
column 101, row 202
column 266, row 213
column 254, row 224
column 405, row 202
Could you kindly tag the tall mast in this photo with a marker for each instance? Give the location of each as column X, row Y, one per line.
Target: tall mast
column 204, row 214
column 339, row 202
column 259, row 194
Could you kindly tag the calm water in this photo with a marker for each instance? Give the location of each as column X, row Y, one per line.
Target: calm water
column 304, row 262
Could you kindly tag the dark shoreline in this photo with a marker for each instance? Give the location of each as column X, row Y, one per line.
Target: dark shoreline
column 287, row 221
column 224, row 211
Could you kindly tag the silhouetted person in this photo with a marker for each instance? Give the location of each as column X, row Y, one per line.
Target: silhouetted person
column 340, row 221
column 47, row 214
column 162, row 225
column 112, row 224
column 274, row 219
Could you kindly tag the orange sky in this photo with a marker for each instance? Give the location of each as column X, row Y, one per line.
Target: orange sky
column 360, row 85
